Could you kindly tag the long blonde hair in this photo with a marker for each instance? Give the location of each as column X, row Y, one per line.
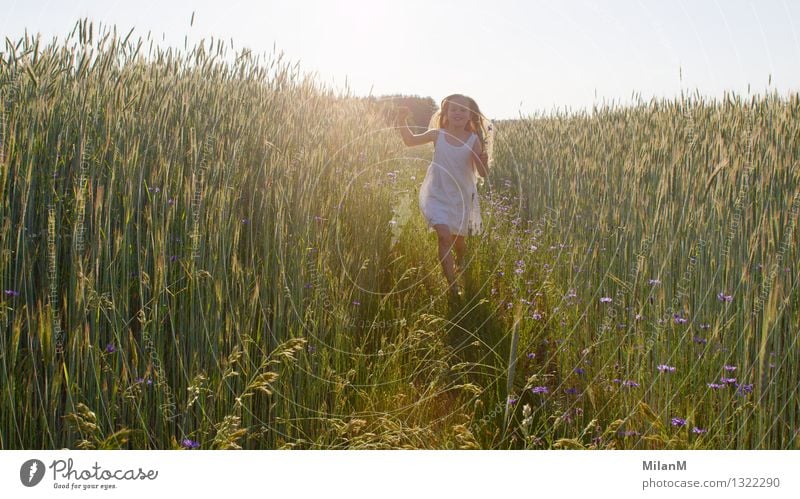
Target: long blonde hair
column 477, row 122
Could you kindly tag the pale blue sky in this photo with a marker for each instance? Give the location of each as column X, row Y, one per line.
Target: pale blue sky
column 512, row 57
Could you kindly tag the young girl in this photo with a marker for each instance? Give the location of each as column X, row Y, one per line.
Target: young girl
column 448, row 196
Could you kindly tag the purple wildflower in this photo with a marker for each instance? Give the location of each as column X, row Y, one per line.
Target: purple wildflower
column 743, row 388
column 11, row 292
column 679, row 319
column 173, row 258
column 653, row 282
column 512, row 400
column 678, row 422
column 698, row 431
column 571, row 391
column 630, row 384
column 531, row 355
column 539, row 389
column 110, row 348
column 537, row 316
column 715, row 386
column 663, row 367
column 702, row 341
column 579, row 371
column 189, row 444
column 170, row 201
column 728, row 381
column 605, row 299
column 723, row 297
column 356, row 302
column 729, row 368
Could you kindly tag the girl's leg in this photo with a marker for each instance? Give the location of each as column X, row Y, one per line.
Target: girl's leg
column 445, row 240
column 461, row 251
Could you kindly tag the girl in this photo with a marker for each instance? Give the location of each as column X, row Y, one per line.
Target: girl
column 448, row 196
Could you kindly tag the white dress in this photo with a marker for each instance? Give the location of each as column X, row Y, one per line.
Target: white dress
column 449, row 194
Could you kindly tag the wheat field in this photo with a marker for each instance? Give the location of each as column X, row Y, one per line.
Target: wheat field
column 208, row 249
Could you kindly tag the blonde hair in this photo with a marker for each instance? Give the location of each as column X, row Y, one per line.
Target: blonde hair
column 477, row 122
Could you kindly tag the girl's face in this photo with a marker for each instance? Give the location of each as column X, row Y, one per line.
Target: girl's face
column 458, row 112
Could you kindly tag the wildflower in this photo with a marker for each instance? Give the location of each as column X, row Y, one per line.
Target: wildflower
column 698, row 431
column 678, row 422
column 638, row 317
column 518, row 270
column 663, row 367
column 629, row 433
column 605, row 299
column 531, row 355
column 534, row 247
column 571, row 391
column 11, row 292
column 653, row 282
column 539, row 389
column 715, row 386
column 173, row 258
column 537, row 316
column 110, row 348
column 630, row 384
column 723, row 297
column 698, row 339
column 189, row 444
column 579, row 371
column 512, row 400
column 526, row 410
column 170, row 201
column 729, row 368
column 245, row 221
column 728, row 381
column 743, row 388
column 356, row 302
column 572, row 293
column 705, row 326
column 679, row 319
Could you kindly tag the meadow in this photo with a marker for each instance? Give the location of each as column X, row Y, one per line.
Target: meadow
column 206, row 248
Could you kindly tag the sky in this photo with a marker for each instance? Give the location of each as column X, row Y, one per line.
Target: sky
column 515, row 58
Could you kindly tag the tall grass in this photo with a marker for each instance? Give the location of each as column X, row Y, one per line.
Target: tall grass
column 202, row 248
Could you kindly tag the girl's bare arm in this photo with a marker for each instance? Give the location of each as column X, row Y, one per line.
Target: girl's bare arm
column 409, row 138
